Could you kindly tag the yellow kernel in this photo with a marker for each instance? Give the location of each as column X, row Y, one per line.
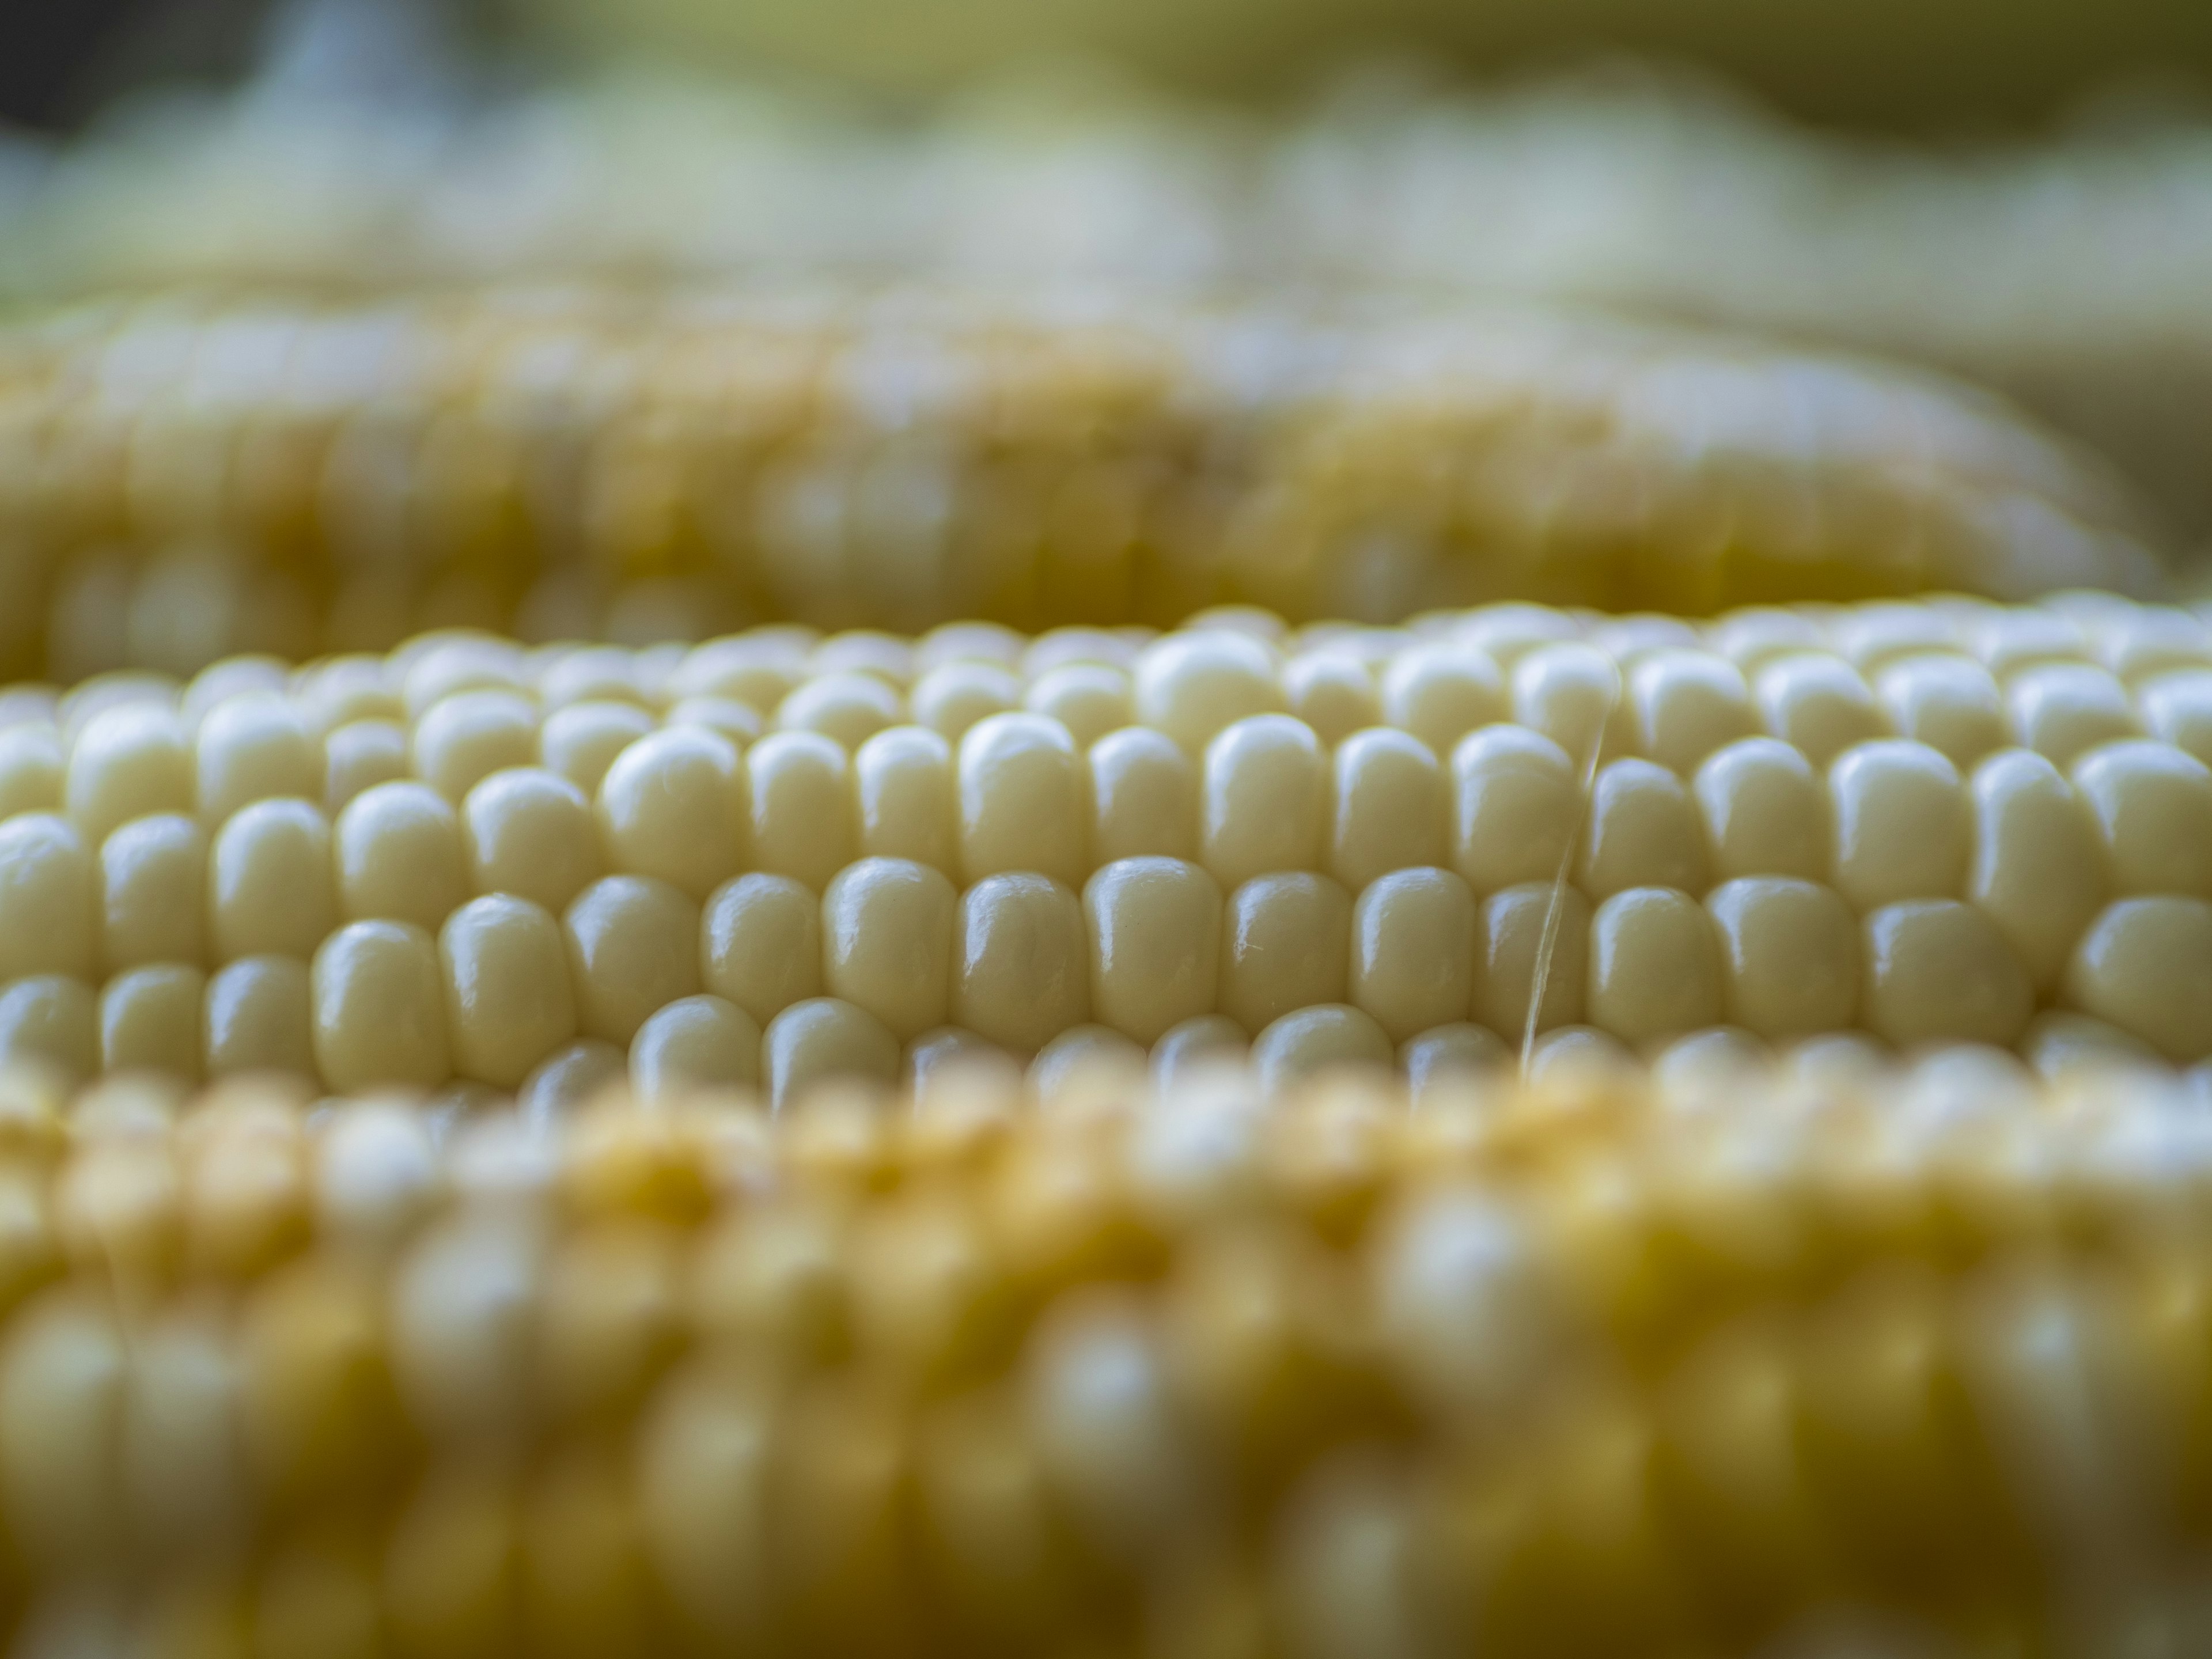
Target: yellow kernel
column 1155, row 932
column 1264, row 804
column 633, row 948
column 530, row 832
column 379, row 1007
column 508, row 1000
column 1021, row 961
column 1286, row 944
column 400, row 856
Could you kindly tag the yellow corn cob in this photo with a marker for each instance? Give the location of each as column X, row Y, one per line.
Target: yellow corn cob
column 779, row 854
column 1585, row 1369
column 184, row 478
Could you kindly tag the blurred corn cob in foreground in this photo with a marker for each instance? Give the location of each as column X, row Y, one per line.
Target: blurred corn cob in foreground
column 1741, row 1369
column 183, row 478
column 780, row 855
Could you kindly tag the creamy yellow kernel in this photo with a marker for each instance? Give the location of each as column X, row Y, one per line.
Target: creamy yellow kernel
column 1088, row 699
column 2146, row 967
column 150, row 1020
column 1154, row 930
column 1507, row 633
column 2176, row 709
column 906, row 795
column 1085, row 1057
column 757, row 669
column 582, row 740
column 1789, row 956
column 1191, row 684
column 52, row 1019
column 671, row 807
column 360, row 755
column 400, row 856
column 1752, row 637
column 954, row 696
column 1901, row 822
column 1391, row 808
column 62, row 1373
column 589, row 674
column 2059, row 1043
column 2013, row 637
column 229, row 678
column 1323, row 1038
column 510, row 1004
column 346, row 688
column 2149, row 640
column 951, row 1064
column 2038, row 871
column 530, row 832
column 1871, row 636
column 379, row 1007
column 969, row 641
column 887, row 927
column 153, row 880
column 1144, row 797
column 1949, row 703
column 1457, row 1052
column 1208, row 1040
column 885, row 657
column 1578, row 1052
column 822, row 1039
column 2153, row 808
column 433, row 666
column 1512, row 927
column 254, row 747
column 1023, row 804
column 1439, row 692
column 1412, row 951
column 1021, row 967
column 1285, row 942
column 694, row 1042
column 1936, row 970
column 127, row 762
column 49, row 898
column 1264, row 799
column 1686, row 704
column 270, row 890
column 632, row 946
column 760, row 945
column 1819, row 704
column 1516, row 807
column 2063, row 709
column 260, row 1018
column 1718, row 1057
column 1654, row 966
column 1571, row 694
column 846, row 707
column 1643, row 831
column 1333, row 692
column 1766, row 812
column 740, row 722
column 570, row 1079
column 462, row 740
column 31, row 769
column 800, row 790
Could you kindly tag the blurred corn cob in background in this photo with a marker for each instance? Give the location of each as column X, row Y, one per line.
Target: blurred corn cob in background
column 1596, row 1369
column 181, row 478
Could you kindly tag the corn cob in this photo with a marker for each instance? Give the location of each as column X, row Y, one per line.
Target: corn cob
column 182, row 479
column 1594, row 1368
column 780, row 854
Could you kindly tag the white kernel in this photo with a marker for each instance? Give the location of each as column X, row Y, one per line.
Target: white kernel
column 757, row 669
column 2152, row 806
column 1412, row 951
column 1286, row 944
column 1085, row 1057
column 530, row 832
column 2014, row 637
column 1445, row 1056
column 1329, row 1037
column 1902, row 827
column 1654, row 966
column 1789, row 956
column 1391, row 808
column 847, row 709
column 1871, row 636
column 949, row 699
column 694, row 1042
column 51, row 1019
column 1332, row 692
column 2063, row 709
column 969, row 641
column 1766, row 812
column 433, row 667
column 887, row 929
column 255, row 747
column 30, row 769
column 344, row 689
column 1643, row 832
column 2038, row 872
column 821, row 1039
column 1507, row 633
column 738, row 722
column 49, row 898
column 150, row 1020
column 2154, row 640
column 379, row 1008
column 400, row 856
column 1688, row 704
column 569, row 1080
column 1208, row 1040
column 1192, row 685
column 673, row 807
column 360, row 755
column 632, row 946
column 1935, row 970
column 800, row 791
column 1949, row 703
column 761, row 945
column 1264, row 800
column 260, row 1017
column 590, row 674
column 581, row 741
column 2058, row 1044
column 128, row 761
column 1021, row 962
column 950, row 1061
column 508, row 1000
column 1718, row 1057
column 1144, row 797
column 907, row 796
column 1516, row 808
column 2146, row 967
column 882, row 656
column 270, row 889
column 464, row 738
column 1571, row 694
column 1578, row 1052
column 1439, row 693
column 1752, row 637
column 2176, row 708
column 1023, row 801
column 1818, row 704
column 1509, row 950
column 1088, row 699
column 1154, row 928
column 1057, row 648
